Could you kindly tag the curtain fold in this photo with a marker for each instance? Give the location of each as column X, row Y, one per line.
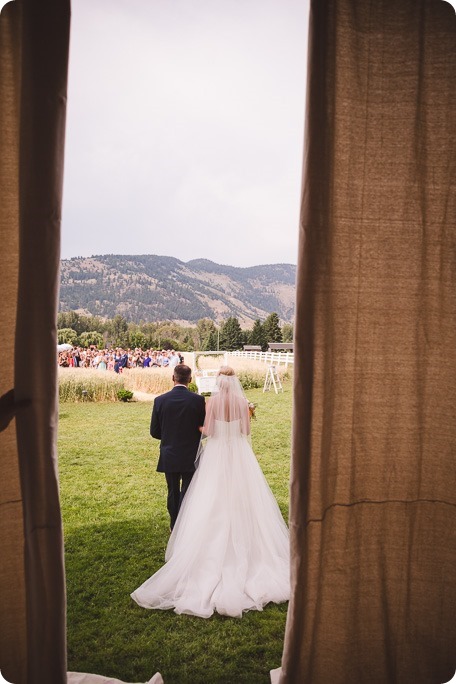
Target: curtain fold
column 33, row 78
column 374, row 432
column 13, row 643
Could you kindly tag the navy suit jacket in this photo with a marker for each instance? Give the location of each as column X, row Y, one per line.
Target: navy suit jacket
column 176, row 418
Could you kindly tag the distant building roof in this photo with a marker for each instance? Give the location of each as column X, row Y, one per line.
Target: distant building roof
column 280, row 346
column 252, row 347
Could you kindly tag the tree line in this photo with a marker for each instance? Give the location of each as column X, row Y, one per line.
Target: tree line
column 77, row 329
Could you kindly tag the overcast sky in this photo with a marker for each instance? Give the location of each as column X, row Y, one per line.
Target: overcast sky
column 185, row 129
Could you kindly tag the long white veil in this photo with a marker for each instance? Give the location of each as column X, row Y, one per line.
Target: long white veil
column 227, row 403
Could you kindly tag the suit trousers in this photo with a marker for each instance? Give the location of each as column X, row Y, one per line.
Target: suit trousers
column 177, row 486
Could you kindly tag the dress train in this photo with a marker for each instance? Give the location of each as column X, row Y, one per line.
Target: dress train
column 229, row 549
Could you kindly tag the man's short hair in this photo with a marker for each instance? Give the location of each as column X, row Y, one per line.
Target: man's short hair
column 182, row 374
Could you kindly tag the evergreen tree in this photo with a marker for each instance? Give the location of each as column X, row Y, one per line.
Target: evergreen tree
column 94, row 323
column 118, row 330
column 149, row 332
column 186, row 343
column 272, row 329
column 211, row 342
column 287, row 332
column 204, row 328
column 148, row 329
column 231, row 335
column 257, row 336
column 70, row 319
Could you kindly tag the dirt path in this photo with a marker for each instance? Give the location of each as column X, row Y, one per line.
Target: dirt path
column 143, row 396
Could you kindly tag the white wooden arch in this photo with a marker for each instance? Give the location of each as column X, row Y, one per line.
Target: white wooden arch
column 205, row 379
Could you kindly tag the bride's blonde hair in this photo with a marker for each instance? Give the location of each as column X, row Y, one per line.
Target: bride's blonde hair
column 226, row 378
column 226, row 370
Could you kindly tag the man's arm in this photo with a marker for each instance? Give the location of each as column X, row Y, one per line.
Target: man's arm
column 204, row 408
column 155, row 427
column 203, row 412
column 208, row 421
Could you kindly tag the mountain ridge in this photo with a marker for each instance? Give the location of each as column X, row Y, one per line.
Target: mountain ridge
column 151, row 287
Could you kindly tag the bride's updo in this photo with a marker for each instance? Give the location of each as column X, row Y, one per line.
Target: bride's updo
column 226, row 370
column 228, row 401
column 225, row 377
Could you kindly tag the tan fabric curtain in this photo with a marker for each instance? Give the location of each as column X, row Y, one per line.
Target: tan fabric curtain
column 34, row 40
column 373, row 466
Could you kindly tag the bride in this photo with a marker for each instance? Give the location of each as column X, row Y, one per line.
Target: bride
column 229, row 549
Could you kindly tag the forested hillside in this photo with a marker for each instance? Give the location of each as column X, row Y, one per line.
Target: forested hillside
column 158, row 288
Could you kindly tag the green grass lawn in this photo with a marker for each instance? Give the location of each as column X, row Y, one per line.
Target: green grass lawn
column 116, row 530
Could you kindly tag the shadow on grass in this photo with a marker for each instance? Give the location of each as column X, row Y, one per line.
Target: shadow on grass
column 109, row 634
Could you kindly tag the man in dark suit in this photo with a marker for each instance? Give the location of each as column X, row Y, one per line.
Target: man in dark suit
column 123, row 363
column 177, row 417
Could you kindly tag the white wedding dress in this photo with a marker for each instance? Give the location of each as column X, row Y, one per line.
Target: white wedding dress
column 229, row 549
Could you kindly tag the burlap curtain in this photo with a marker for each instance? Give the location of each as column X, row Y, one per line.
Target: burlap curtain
column 373, row 485
column 34, row 39
column 373, row 466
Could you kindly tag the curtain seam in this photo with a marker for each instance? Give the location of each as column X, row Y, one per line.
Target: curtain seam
column 368, row 501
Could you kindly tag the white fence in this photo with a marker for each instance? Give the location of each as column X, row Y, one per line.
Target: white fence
column 273, row 358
